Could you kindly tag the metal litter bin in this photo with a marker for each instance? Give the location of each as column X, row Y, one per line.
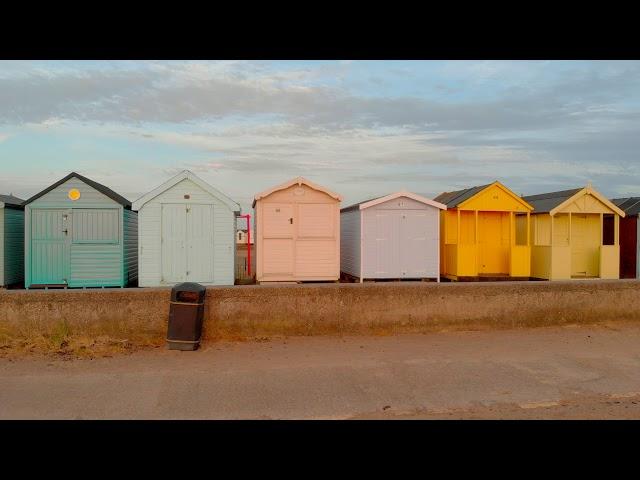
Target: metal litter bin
column 186, row 313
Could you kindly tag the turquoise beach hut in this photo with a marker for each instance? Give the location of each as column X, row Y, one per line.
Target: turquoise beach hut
column 11, row 240
column 79, row 233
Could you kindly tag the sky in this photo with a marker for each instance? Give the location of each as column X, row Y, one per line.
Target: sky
column 360, row 128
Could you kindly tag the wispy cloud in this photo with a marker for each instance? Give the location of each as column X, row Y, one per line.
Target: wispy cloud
column 364, row 127
column 195, row 91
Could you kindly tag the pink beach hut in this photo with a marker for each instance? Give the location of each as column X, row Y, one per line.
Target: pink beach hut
column 297, row 227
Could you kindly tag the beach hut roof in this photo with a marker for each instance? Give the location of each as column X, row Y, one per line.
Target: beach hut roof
column 457, row 198
column 11, row 201
column 99, row 187
column 630, row 205
column 453, row 199
column 553, row 202
column 295, row 181
column 377, row 200
column 186, row 174
column 545, row 202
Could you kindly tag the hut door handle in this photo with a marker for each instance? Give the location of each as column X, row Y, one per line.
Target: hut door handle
column 291, row 221
column 65, row 231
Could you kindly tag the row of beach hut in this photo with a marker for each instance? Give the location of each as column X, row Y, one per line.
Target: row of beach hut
column 79, row 233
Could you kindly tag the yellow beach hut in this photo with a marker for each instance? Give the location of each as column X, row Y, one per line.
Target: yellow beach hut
column 574, row 234
column 484, row 234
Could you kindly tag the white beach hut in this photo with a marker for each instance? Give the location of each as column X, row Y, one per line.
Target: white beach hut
column 187, row 231
column 391, row 237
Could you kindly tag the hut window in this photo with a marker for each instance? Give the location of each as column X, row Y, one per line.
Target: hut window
column 608, row 227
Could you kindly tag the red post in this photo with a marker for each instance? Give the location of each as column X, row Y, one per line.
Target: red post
column 248, row 217
column 249, row 244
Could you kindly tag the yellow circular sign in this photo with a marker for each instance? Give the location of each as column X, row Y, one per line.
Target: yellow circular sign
column 74, row 194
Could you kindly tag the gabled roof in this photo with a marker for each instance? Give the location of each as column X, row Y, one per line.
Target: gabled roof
column 295, row 181
column 186, row 174
column 453, row 199
column 545, row 202
column 630, row 205
column 457, row 198
column 554, row 202
column 11, row 202
column 378, row 200
column 99, row 187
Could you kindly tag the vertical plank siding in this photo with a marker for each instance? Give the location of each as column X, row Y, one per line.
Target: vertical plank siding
column 13, row 232
column 200, row 250
column 13, row 245
column 47, row 250
column 637, row 263
column 629, row 246
column 150, row 248
column 350, row 235
column 94, row 225
column 130, row 253
column 2, row 249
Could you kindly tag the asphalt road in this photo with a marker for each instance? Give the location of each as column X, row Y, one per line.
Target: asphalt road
column 571, row 372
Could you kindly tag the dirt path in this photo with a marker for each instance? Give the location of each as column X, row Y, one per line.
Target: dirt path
column 571, row 372
column 597, row 407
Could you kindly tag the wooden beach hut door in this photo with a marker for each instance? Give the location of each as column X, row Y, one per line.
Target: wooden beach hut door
column 399, row 244
column 413, row 244
column 278, row 239
column 628, row 246
column 383, row 248
column 494, row 242
column 200, row 243
column 187, row 243
column 585, row 245
column 50, row 246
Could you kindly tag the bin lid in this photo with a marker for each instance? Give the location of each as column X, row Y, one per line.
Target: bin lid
column 188, row 287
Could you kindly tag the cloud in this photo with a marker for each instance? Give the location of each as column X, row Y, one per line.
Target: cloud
column 535, row 125
column 187, row 92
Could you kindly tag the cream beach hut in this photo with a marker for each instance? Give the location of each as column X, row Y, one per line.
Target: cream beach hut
column 187, row 233
column 575, row 234
column 297, row 227
column 392, row 237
